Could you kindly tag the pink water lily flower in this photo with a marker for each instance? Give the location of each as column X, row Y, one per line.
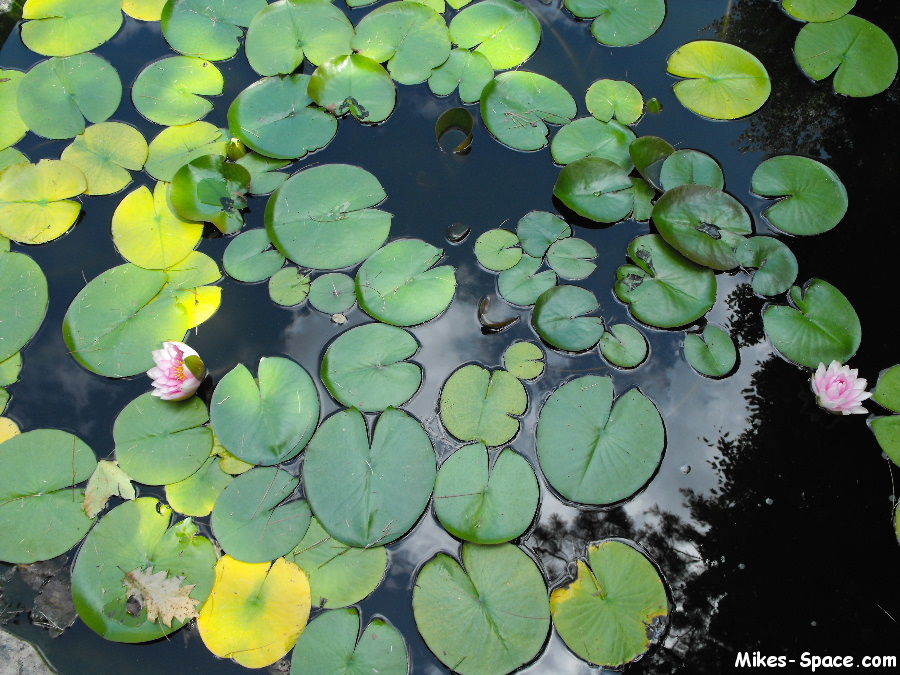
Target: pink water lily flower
column 177, row 373
column 839, row 390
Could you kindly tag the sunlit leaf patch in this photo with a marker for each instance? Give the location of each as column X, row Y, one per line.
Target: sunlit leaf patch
column 210, row 29
column 13, row 128
column 481, row 405
column 105, row 153
column 67, row 27
column 197, row 494
column 504, row 31
column 36, row 204
column 525, row 360
column 818, row 10
column 174, row 147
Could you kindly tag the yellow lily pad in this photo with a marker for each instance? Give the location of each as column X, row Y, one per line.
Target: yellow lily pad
column 35, row 200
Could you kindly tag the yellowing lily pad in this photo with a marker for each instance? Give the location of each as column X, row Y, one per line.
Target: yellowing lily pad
column 13, row 128
column 35, row 200
column 176, row 146
column 105, row 153
column 66, row 27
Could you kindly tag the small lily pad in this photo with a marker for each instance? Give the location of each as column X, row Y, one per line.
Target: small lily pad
column 174, row 147
column 211, row 29
column 356, row 84
column 525, row 360
column 624, row 346
column 691, row 167
column 506, row 32
column 289, row 286
column 538, row 229
column 571, row 258
column 250, row 257
column 619, row 23
column 333, row 293
column 595, row 188
column 713, row 353
column 105, row 153
column 209, row 189
column 481, row 405
column 648, row 154
column 522, row 285
column 775, row 264
column 498, row 250
column 606, row 99
column 197, row 494
column 560, row 317
column 170, row 91
column 588, row 137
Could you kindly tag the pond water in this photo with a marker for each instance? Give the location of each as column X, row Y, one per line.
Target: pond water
column 770, row 521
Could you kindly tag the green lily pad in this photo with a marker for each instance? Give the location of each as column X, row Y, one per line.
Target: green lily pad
column 268, row 421
column 724, row 81
column 10, row 368
column 818, row 10
column 595, row 188
column 571, row 258
column 160, row 442
column 210, row 29
column 399, row 284
column 211, row 190
column 356, row 84
column 333, row 293
column 594, row 452
column 367, row 368
column 13, row 129
column 105, row 153
column 525, row 360
column 538, row 229
column 506, row 32
column 663, row 288
column 516, row 107
column 619, row 23
column 775, row 264
column 274, row 117
column 470, row 71
column 285, row 32
column 35, row 200
column 643, row 194
column 713, row 353
column 705, row 224
column 815, row 199
column 23, row 302
column 170, row 91
column 522, row 285
column 197, row 494
column 37, row 470
column 887, row 389
column 648, row 154
column 887, row 432
column 289, row 286
column 332, row 643
column 339, row 575
column 410, row 37
column 264, row 178
column 606, row 99
column 498, row 250
column 10, row 156
column 820, row 326
column 609, row 613
column 176, row 146
column 624, row 346
column 194, row 270
column 479, row 405
column 588, row 137
column 364, row 493
column 560, row 317
column 498, row 601
column 691, row 167
column 67, row 27
column 136, row 536
column 250, row 257
column 322, row 217
column 863, row 55
column 57, row 95
column 484, row 503
column 254, row 519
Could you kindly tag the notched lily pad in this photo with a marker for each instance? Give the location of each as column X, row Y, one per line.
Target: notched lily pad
column 170, row 91
column 356, row 84
column 624, row 346
column 36, row 203
column 498, row 250
column 619, row 23
column 595, row 188
column 105, row 153
column 211, row 29
column 606, row 99
column 481, row 405
column 506, row 32
column 713, row 353
column 560, row 317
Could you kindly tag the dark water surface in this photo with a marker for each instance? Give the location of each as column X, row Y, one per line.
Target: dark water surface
column 771, row 522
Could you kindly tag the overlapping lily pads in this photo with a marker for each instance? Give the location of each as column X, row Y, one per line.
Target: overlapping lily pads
column 595, row 188
column 523, row 284
column 775, row 264
column 250, row 256
column 468, row 71
column 691, row 167
column 105, row 153
column 538, row 229
column 588, row 137
column 174, row 147
column 209, row 189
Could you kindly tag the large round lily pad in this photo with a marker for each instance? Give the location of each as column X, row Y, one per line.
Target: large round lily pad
column 20, row 277
column 560, row 317
column 506, row 32
column 369, row 493
column 488, row 616
column 356, row 84
column 589, row 137
column 35, row 200
column 620, row 22
column 41, row 515
column 211, row 29
column 67, row 27
column 170, row 91
column 594, row 452
column 478, row 404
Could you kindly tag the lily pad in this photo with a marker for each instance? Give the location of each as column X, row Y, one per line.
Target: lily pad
column 648, row 154
column 209, row 189
column 105, row 153
column 23, row 302
column 863, row 55
column 10, row 156
column 145, row 10
column 367, row 368
column 13, row 128
column 264, row 178
column 705, row 224
column 250, row 257
column 560, row 317
column 322, row 217
column 595, row 188
column 35, row 200
column 57, row 95
column 820, row 326
column 266, row 421
column 285, row 32
column 37, row 470
column 255, row 520
column 354, row 83
column 594, row 452
column 498, row 250
column 176, row 146
column 339, row 575
column 818, row 10
column 256, row 611
column 815, row 199
column 713, row 353
column 691, row 167
column 289, row 286
column 887, row 389
column 10, row 368
column 775, row 264
column 624, row 346
column 516, row 107
column 410, row 37
column 333, row 644
column 608, row 613
column 588, row 137
column 67, row 27
column 724, row 81
column 522, row 285
column 479, row 405
column 506, row 32
column 498, row 601
column 663, row 288
column 197, row 494
column 369, row 493
column 399, row 284
column 170, row 91
column 525, row 360
column 332, row 293
column 643, row 194
column 484, row 503
column 470, row 71
column 571, row 258
column 210, row 29
column 887, row 432
column 606, row 99
column 136, row 536
column 538, row 229
column 274, row 117
column 619, row 23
